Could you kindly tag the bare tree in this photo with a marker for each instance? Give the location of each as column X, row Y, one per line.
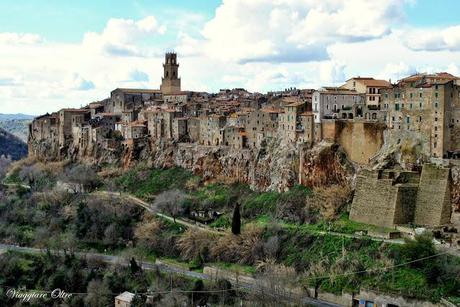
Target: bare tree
column 4, row 164
column 98, row 294
column 171, row 202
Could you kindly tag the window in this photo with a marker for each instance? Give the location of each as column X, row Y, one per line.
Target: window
column 436, row 94
column 408, row 119
column 436, row 105
column 420, row 94
column 411, row 94
column 396, row 106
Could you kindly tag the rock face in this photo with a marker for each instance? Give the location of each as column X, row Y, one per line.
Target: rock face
column 274, row 166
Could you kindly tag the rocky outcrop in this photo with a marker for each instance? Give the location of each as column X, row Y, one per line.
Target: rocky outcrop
column 406, row 149
column 274, row 166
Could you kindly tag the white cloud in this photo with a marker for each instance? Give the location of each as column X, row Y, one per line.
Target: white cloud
column 396, row 71
column 77, row 82
column 20, row 38
column 261, row 45
column 120, row 36
column 433, row 39
column 138, row 75
column 294, row 31
column 332, row 72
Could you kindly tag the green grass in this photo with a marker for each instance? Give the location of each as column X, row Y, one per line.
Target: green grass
column 224, row 221
column 145, row 183
column 242, row 269
column 260, row 204
column 213, row 195
column 13, row 177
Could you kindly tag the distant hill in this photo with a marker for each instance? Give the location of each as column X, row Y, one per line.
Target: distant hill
column 16, row 124
column 17, row 116
column 12, row 146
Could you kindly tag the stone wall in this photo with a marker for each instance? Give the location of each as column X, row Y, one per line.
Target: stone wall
column 375, row 200
column 361, row 140
column 388, row 197
column 434, row 197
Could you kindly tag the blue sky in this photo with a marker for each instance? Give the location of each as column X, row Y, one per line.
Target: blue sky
column 67, row 21
column 57, row 54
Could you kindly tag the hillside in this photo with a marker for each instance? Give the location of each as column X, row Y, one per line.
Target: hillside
column 16, row 124
column 11, row 145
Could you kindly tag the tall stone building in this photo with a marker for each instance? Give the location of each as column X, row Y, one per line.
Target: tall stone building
column 427, row 105
column 170, row 83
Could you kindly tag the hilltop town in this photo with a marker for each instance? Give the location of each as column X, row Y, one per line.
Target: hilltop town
column 276, row 140
column 357, row 182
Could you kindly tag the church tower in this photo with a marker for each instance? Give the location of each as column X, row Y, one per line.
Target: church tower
column 170, row 83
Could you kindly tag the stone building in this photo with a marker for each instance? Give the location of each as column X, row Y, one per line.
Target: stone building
column 124, row 300
column 160, row 122
column 260, row 124
column 210, row 127
column 370, row 87
column 193, row 129
column 234, row 136
column 327, row 102
column 429, row 107
column 180, row 129
column 66, row 122
column 45, row 127
column 176, row 98
column 390, row 197
column 135, row 130
column 305, row 128
column 170, row 83
column 289, row 121
column 130, row 100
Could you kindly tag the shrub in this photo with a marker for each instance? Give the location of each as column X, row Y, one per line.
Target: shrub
column 195, row 245
column 172, row 202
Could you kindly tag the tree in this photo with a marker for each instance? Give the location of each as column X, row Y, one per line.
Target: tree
column 98, row 294
column 236, row 220
column 135, row 268
column 172, row 202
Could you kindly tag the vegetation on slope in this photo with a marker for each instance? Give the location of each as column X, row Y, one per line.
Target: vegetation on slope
column 12, row 146
column 279, row 232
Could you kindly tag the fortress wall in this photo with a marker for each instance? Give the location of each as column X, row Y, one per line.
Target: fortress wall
column 360, row 140
column 433, row 200
column 405, row 204
column 375, row 200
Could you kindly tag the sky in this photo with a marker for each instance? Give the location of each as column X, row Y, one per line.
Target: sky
column 56, row 54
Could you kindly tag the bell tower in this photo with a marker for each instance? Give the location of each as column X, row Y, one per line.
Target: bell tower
column 170, row 83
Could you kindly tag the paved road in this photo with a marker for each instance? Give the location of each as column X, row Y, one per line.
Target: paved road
column 168, row 268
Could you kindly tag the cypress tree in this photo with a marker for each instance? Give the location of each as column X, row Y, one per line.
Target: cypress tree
column 236, row 220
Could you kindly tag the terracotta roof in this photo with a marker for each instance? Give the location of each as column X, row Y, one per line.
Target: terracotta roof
column 272, row 110
column 136, row 90
column 295, row 104
column 439, row 75
column 375, row 83
column 74, row 110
